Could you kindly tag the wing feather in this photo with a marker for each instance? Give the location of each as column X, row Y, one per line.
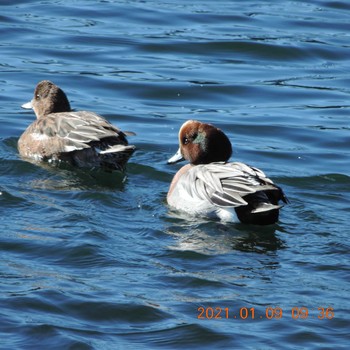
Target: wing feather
column 75, row 130
column 226, row 184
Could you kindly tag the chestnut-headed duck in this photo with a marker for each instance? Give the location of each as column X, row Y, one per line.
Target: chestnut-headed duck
column 81, row 138
column 210, row 186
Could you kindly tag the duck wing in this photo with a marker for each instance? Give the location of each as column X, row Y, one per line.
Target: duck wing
column 73, row 131
column 232, row 184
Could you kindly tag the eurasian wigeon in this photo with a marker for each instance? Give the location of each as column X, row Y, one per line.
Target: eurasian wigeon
column 80, row 138
column 211, row 186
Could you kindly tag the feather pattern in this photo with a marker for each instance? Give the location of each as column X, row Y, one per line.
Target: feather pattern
column 73, row 131
column 224, row 184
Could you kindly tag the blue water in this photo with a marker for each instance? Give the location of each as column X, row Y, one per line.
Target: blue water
column 95, row 261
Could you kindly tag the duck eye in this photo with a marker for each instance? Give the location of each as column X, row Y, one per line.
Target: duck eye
column 185, row 141
column 37, row 96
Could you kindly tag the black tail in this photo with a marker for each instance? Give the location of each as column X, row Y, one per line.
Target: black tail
column 262, row 207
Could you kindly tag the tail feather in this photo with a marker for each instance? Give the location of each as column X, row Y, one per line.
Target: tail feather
column 262, row 208
column 265, row 207
column 119, row 148
column 116, row 157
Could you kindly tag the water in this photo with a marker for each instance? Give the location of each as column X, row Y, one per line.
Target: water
column 95, row 261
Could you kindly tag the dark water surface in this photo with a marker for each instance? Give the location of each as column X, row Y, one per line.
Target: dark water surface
column 92, row 261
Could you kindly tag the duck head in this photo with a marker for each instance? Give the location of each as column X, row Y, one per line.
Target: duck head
column 201, row 143
column 48, row 98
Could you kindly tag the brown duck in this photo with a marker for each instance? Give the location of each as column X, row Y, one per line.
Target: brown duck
column 81, row 138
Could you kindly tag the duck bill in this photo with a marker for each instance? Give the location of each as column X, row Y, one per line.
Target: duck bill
column 28, row 105
column 177, row 157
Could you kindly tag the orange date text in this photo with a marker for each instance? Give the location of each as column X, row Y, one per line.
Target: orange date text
column 269, row 313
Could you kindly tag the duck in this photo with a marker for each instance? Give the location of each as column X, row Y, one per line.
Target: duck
column 211, row 186
column 80, row 138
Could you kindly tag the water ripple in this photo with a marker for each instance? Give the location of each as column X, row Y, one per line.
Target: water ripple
column 99, row 261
